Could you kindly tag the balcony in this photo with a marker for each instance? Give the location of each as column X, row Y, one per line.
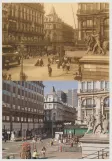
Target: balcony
column 81, row 12
column 89, row 106
column 106, row 105
column 93, row 90
column 93, row 11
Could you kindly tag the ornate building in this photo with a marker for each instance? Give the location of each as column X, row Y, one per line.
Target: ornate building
column 23, row 21
column 92, row 97
column 57, row 32
column 23, row 106
column 57, row 112
column 93, row 17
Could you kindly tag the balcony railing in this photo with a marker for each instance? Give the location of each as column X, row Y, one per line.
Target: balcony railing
column 94, row 11
column 93, row 90
column 106, row 105
column 88, row 106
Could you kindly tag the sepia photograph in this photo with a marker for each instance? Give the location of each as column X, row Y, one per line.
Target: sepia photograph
column 55, row 120
column 55, row 41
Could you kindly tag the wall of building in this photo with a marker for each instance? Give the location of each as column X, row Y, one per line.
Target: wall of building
column 92, row 98
column 57, row 32
column 24, row 22
column 93, row 17
column 23, row 105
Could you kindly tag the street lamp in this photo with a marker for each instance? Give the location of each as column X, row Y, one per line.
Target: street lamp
column 53, row 114
column 22, row 74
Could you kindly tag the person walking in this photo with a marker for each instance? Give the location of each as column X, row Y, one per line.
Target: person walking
column 9, row 77
column 63, row 66
column 7, row 65
column 50, row 71
column 43, row 152
column 5, row 137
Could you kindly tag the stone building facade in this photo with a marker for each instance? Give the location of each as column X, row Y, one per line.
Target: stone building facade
column 23, row 106
column 57, row 111
column 23, row 22
column 58, row 33
column 93, row 17
column 92, row 97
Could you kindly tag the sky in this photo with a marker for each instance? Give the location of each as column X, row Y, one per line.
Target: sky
column 59, row 85
column 64, row 11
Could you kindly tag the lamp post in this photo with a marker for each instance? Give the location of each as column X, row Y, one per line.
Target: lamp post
column 52, row 123
column 21, row 50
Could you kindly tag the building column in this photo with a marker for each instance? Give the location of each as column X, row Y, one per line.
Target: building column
column 102, row 108
column 98, row 105
column 79, row 111
column 79, row 28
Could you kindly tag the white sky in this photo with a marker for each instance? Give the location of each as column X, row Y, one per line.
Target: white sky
column 64, row 11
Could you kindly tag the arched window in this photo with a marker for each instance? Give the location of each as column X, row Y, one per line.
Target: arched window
column 89, row 103
column 106, row 102
column 106, row 22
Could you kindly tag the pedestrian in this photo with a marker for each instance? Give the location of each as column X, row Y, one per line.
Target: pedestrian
column 50, row 71
column 35, row 155
column 9, row 77
column 7, row 64
column 59, row 141
column 5, row 137
column 63, row 66
column 37, row 63
column 49, row 61
column 41, row 62
column 43, row 152
column 33, row 140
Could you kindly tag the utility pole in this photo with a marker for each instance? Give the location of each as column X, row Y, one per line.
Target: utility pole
column 52, row 123
column 73, row 17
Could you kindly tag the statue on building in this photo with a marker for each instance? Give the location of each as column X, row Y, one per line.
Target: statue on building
column 98, row 123
column 95, row 45
column 105, row 125
column 90, row 43
column 90, row 122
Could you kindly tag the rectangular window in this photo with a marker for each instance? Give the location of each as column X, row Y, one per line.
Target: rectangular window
column 22, row 119
column 88, row 85
column 7, row 118
column 83, row 86
column 107, row 85
column 94, row 85
column 102, row 85
column 12, row 118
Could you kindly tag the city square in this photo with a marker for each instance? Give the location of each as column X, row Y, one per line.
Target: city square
column 67, row 46
column 56, row 116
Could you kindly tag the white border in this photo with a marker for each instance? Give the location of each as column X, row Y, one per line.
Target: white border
column 55, row 1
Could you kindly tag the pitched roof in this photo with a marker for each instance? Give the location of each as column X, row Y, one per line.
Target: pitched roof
column 52, row 12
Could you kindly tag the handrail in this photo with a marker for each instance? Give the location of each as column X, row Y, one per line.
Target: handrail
column 102, row 150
